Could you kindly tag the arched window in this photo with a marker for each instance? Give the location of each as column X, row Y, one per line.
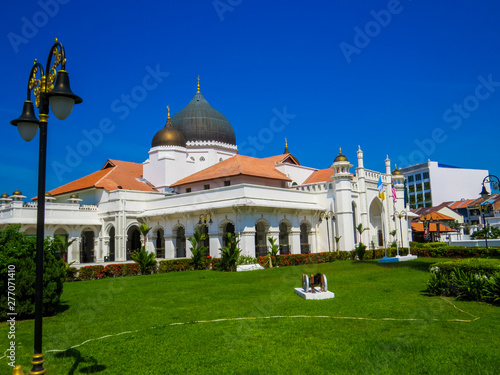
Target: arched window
column 228, row 228
column 180, row 243
column 261, row 238
column 305, row 247
column 160, row 244
column 87, row 247
column 133, row 241
column 284, row 238
column 111, row 254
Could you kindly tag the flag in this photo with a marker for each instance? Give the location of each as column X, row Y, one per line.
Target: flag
column 394, row 197
column 380, row 187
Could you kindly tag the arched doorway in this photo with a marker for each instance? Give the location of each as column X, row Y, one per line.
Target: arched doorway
column 61, row 235
column 180, row 242
column 376, row 223
column 284, row 237
column 87, row 247
column 206, row 241
column 228, row 228
column 111, row 254
column 261, row 230
column 160, row 243
column 305, row 229
column 133, row 241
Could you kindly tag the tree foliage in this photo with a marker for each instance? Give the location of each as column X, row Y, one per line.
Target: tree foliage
column 198, row 251
column 17, row 266
column 230, row 253
column 145, row 259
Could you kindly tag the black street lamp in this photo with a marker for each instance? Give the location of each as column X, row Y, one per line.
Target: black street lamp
column 400, row 215
column 327, row 215
column 51, row 89
column 493, row 180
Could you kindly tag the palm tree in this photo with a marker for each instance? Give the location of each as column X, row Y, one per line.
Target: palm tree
column 197, row 250
column 144, row 229
column 360, row 230
column 231, row 252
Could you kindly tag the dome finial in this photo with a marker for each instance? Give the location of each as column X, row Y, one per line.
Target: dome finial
column 198, row 84
column 340, row 150
column 168, row 115
column 286, row 147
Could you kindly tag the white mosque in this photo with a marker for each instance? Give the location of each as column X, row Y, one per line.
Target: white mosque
column 194, row 177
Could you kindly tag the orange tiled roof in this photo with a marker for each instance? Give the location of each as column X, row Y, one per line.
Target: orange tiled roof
column 234, row 166
column 436, row 216
column 460, row 204
column 113, row 174
column 284, row 158
column 321, row 175
column 419, row 227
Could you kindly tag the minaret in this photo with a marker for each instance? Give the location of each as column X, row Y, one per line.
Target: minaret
column 343, row 202
column 363, row 204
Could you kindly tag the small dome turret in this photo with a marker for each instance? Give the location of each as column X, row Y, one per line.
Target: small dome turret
column 169, row 136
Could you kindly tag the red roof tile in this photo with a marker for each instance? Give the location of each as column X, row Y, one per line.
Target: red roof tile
column 234, row 166
column 435, row 216
column 284, row 158
column 113, row 174
column 321, row 175
column 419, row 227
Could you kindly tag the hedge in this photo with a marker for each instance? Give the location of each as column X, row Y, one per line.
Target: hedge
column 466, row 279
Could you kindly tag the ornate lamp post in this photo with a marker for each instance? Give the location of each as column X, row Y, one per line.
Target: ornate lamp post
column 493, row 180
column 400, row 215
column 327, row 215
column 51, row 89
column 204, row 219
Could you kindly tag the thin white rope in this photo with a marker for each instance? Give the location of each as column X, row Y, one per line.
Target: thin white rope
column 273, row 317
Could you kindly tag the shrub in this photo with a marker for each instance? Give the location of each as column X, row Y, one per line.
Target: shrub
column 18, row 253
column 247, row 260
column 198, row 251
column 131, row 269
column 468, row 279
column 174, row 265
column 113, row 270
column 91, row 273
column 71, row 273
column 360, row 250
column 146, row 260
column 230, row 253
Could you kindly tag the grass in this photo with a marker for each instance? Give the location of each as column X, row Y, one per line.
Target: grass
column 284, row 334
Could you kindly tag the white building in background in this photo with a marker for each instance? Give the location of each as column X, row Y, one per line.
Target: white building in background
column 432, row 183
column 194, row 177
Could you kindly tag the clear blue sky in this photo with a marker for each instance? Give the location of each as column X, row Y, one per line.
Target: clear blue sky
column 416, row 80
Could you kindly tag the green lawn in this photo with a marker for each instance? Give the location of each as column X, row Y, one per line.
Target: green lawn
column 379, row 322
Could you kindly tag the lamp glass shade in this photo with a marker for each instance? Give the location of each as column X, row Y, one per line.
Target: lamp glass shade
column 484, row 193
column 61, row 106
column 27, row 130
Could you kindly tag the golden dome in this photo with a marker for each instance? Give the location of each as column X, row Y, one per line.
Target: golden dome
column 396, row 171
column 5, row 195
column 169, row 136
column 17, row 192
column 341, row 157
